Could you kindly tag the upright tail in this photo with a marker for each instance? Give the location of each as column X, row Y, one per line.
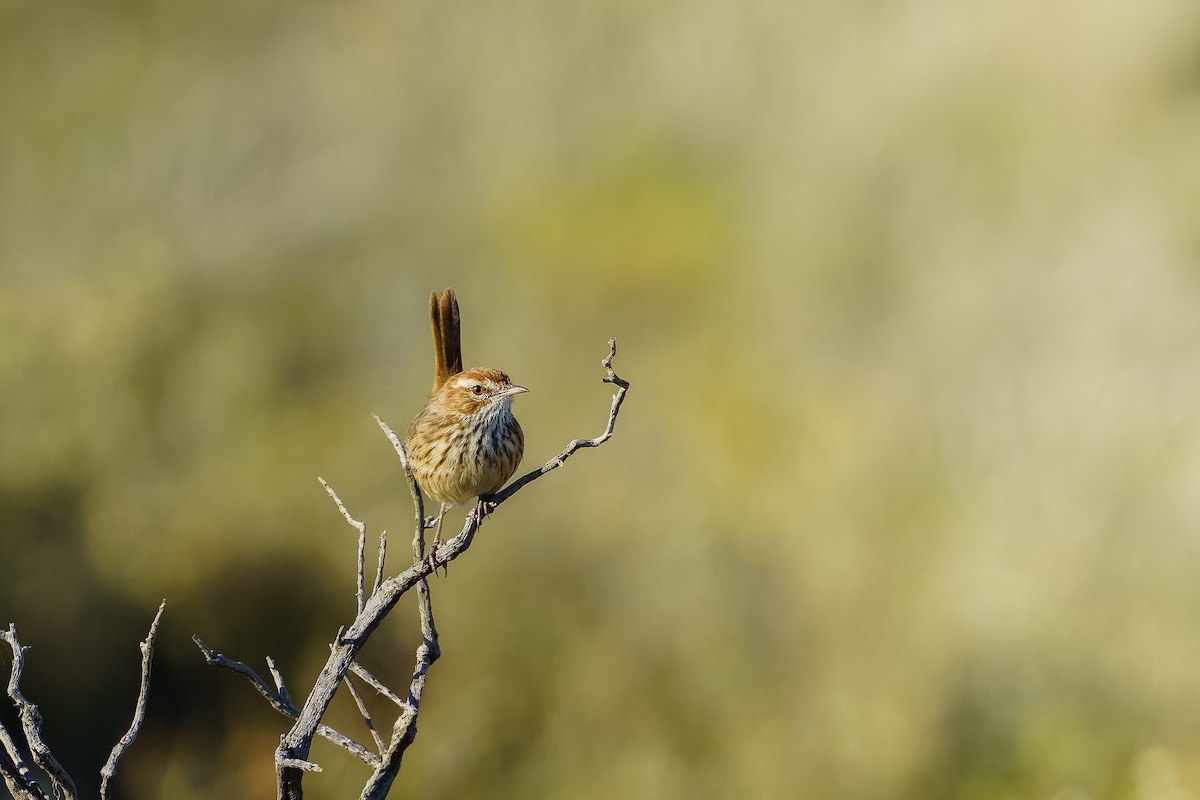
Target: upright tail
column 447, row 336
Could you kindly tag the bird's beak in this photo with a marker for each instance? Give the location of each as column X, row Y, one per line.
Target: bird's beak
column 510, row 391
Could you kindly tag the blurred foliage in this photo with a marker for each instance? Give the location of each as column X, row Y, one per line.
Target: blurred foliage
column 906, row 498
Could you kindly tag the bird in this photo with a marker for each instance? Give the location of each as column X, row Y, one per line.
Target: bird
column 465, row 443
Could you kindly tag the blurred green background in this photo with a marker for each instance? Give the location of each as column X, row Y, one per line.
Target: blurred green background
column 905, row 500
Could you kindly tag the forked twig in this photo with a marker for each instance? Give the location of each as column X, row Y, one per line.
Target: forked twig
column 361, row 527
column 404, row 731
column 280, row 700
column 576, row 444
column 31, row 721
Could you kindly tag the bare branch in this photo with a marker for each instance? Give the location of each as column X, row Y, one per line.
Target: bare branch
column 213, row 657
column 139, row 711
column 404, row 731
column 381, row 562
column 280, row 700
column 17, row 777
column 361, row 527
column 31, row 721
column 297, row 742
column 376, row 684
column 362, row 709
column 577, row 444
column 420, row 523
column 280, row 686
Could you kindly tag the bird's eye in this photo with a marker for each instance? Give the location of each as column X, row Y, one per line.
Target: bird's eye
column 477, row 389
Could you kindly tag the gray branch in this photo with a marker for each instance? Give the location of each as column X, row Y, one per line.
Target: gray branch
column 366, row 714
column 380, row 562
column 404, row 731
column 139, row 711
column 361, row 527
column 297, row 742
column 376, row 684
column 17, row 777
column 31, row 722
column 280, row 686
column 577, row 444
column 419, row 523
column 280, row 700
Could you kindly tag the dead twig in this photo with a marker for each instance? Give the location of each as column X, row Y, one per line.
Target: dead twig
column 139, row 710
column 31, row 722
column 361, row 527
column 419, row 523
column 576, row 444
column 376, row 684
column 280, row 700
column 17, row 777
column 404, row 731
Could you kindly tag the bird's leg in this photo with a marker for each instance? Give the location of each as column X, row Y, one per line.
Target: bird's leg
column 482, row 508
column 437, row 540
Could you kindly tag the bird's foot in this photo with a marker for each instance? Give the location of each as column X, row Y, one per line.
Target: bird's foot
column 431, row 558
column 484, row 508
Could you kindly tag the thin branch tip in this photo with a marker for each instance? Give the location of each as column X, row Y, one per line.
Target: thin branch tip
column 139, row 710
column 205, row 650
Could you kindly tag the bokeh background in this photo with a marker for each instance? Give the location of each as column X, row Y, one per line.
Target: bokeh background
column 905, row 499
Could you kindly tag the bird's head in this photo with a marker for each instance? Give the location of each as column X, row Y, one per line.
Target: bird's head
column 476, row 391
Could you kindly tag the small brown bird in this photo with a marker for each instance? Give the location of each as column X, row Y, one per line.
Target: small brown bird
column 466, row 442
